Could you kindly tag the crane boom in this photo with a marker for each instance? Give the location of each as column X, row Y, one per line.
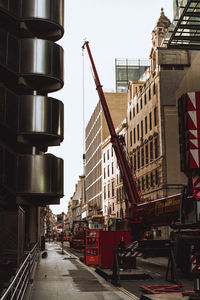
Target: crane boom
column 126, row 172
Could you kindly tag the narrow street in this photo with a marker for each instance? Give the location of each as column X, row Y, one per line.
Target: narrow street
column 154, row 267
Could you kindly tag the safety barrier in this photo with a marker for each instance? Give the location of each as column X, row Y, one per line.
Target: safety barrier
column 18, row 285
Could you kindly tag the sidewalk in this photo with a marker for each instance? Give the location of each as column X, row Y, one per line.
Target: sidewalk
column 62, row 276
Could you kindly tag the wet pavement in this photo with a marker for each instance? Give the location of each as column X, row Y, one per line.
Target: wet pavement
column 61, row 276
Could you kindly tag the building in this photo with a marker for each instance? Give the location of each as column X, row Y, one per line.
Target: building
column 96, row 132
column 31, row 67
column 126, row 70
column 112, row 187
column 77, row 203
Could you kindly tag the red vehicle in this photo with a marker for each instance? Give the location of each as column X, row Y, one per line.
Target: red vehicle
column 78, row 229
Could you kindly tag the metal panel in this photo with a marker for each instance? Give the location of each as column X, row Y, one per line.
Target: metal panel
column 39, row 175
column 39, row 114
column 34, row 114
column 43, row 9
column 44, row 58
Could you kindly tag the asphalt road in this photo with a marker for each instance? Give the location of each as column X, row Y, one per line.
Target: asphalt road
column 155, row 268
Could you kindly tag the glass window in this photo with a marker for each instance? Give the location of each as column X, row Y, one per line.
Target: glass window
column 108, row 154
column 156, row 148
column 142, row 156
column 146, row 125
column 130, row 116
column 154, row 88
column 145, row 98
column 138, row 157
column 149, row 93
column 156, row 177
column 104, row 173
column 142, row 183
column 155, row 116
column 104, row 157
column 112, row 151
column 138, row 132
column 112, row 166
column 141, row 103
column 137, row 108
column 113, row 206
column 108, row 168
column 147, row 181
column 133, row 112
column 142, row 133
column 147, row 154
column 131, row 141
column 151, row 151
column 134, row 136
column 151, row 179
column 108, row 190
column 150, row 121
column 104, row 192
column 113, row 189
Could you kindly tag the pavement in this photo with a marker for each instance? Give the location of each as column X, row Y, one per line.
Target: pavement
column 61, row 275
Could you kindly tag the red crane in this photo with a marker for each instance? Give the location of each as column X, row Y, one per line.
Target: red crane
column 129, row 182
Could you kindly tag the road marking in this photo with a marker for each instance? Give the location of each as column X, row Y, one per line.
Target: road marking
column 128, row 293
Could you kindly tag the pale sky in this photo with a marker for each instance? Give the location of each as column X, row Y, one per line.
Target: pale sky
column 115, row 29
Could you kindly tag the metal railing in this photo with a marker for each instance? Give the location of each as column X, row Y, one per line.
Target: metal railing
column 18, row 285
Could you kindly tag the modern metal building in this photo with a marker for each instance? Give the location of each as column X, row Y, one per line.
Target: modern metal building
column 31, row 66
column 128, row 69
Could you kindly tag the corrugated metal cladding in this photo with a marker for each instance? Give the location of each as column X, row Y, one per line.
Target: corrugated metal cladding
column 31, row 66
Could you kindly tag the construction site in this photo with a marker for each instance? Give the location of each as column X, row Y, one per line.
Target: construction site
column 132, row 229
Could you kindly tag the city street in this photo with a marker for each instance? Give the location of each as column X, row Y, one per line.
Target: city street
column 155, row 267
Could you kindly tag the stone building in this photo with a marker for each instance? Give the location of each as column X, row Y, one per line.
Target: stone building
column 153, row 139
column 96, row 132
column 77, row 204
column 112, row 187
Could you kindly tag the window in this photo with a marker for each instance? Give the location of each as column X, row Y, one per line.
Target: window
column 142, row 157
column 104, row 192
column 134, row 161
column 113, row 206
column 151, row 151
column 134, row 136
column 112, row 168
column 147, row 154
column 154, row 88
column 151, row 179
column 130, row 116
column 138, row 157
column 156, row 177
column 156, row 148
column 147, row 181
column 142, row 183
column 155, row 116
column 108, row 190
column 104, row 157
column 117, row 179
column 113, row 189
column 108, row 154
column 104, row 173
column 112, row 151
column 145, row 98
column 149, row 93
column 131, row 141
column 138, row 132
column 137, row 108
column 141, row 103
column 145, row 120
column 133, row 112
column 142, row 133
column 150, row 121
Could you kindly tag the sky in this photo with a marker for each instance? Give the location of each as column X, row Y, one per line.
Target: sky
column 114, row 29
